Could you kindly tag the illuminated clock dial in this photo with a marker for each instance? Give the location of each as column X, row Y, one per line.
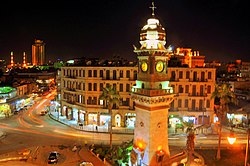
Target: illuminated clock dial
column 144, row 66
column 159, row 66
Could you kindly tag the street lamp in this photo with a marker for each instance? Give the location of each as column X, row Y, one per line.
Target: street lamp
column 231, row 139
column 247, row 146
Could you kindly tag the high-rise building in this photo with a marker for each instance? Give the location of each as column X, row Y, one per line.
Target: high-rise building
column 24, row 60
column 38, row 53
column 11, row 59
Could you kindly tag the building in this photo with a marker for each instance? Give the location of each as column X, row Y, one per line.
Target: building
column 193, row 88
column 190, row 58
column 81, row 87
column 38, row 53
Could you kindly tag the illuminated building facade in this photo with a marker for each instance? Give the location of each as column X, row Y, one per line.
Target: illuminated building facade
column 190, row 58
column 38, row 53
column 24, row 60
column 81, row 87
column 11, row 59
column 193, row 88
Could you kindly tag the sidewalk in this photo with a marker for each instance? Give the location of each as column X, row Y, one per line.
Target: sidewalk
column 89, row 128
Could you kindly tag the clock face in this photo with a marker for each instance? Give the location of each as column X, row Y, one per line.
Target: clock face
column 159, row 66
column 144, row 66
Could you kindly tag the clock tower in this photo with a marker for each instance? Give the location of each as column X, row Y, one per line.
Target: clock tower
column 152, row 96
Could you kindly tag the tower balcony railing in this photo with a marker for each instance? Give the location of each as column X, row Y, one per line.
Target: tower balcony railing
column 151, row 92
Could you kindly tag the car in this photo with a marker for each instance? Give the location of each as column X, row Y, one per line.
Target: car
column 53, row 157
column 43, row 113
column 16, row 112
column 86, row 163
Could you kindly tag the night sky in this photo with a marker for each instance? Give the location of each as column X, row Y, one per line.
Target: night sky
column 219, row 29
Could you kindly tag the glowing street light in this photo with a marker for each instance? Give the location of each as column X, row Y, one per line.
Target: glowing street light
column 231, row 138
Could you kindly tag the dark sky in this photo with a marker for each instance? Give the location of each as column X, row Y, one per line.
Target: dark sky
column 219, row 29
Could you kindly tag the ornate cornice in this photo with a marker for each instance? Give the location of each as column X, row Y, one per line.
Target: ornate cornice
column 153, row 100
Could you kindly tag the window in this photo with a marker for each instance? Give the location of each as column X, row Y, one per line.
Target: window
column 135, row 75
column 209, row 89
column 203, row 76
column 95, row 73
column 209, row 75
column 180, row 74
column 89, row 87
column 186, row 103
column 127, row 74
column 121, row 88
column 208, row 104
column 101, row 86
column 195, row 76
column 201, row 104
column 83, row 73
column 186, row 88
column 121, row 73
column 89, row 100
column 193, row 104
column 187, row 75
column 114, row 75
column 107, row 74
column 94, row 102
column 114, row 86
column 101, row 73
column 127, row 87
column 172, row 76
column 194, row 90
column 179, row 103
column 83, row 86
column 76, row 73
column 80, row 73
column 89, row 73
column 95, row 86
column 180, row 89
column 201, row 90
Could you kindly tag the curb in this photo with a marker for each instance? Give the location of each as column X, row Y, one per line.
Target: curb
column 13, row 158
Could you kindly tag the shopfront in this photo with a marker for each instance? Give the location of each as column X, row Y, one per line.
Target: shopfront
column 237, row 119
column 174, row 120
column 130, row 120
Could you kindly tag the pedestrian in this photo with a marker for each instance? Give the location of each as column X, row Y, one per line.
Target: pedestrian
column 96, row 127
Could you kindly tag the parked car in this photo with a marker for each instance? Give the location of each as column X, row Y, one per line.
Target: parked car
column 86, row 163
column 43, row 113
column 53, row 157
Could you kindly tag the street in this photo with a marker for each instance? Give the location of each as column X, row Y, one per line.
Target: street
column 29, row 129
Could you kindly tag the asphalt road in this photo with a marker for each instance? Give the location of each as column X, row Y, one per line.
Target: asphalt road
column 29, row 129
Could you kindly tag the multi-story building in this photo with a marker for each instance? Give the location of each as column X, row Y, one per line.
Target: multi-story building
column 193, row 88
column 38, row 53
column 81, row 87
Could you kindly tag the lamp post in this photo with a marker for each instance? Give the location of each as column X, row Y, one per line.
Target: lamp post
column 247, row 147
column 231, row 139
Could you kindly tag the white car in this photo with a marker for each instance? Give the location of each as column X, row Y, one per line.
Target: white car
column 86, row 163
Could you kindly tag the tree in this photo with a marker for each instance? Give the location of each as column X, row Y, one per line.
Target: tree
column 111, row 97
column 223, row 95
column 190, row 141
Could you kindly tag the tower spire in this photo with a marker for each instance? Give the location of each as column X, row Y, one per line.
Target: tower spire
column 153, row 8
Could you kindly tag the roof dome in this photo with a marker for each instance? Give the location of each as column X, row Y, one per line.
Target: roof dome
column 153, row 35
